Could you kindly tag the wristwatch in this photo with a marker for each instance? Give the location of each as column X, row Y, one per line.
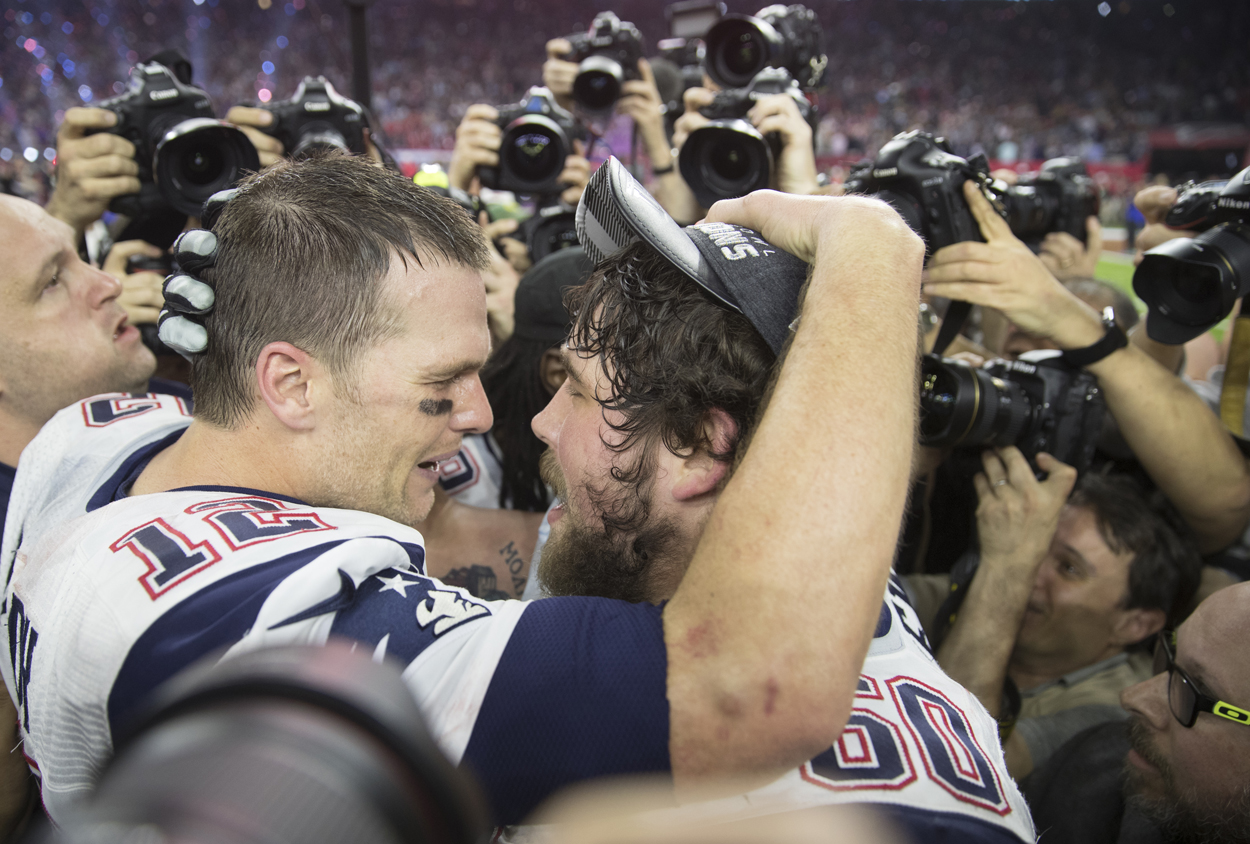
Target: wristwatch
column 1113, row 339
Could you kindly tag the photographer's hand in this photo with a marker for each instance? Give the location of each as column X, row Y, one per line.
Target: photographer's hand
column 576, row 174
column 559, row 73
column 1066, row 257
column 640, row 100
column 691, row 119
column 796, row 166
column 90, row 169
column 501, row 279
column 1003, row 273
column 477, row 143
column 252, row 121
column 141, row 295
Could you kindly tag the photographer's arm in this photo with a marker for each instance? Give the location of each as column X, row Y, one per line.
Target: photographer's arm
column 768, row 630
column 141, row 291
column 641, row 101
column 1176, row 438
column 90, row 169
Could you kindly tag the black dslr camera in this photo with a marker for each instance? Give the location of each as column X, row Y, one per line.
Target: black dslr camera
column 729, row 157
column 318, row 118
column 918, row 174
column 551, row 228
column 537, row 136
column 1057, row 198
column 1191, row 284
column 607, row 54
column 1041, row 405
column 185, row 155
column 789, row 37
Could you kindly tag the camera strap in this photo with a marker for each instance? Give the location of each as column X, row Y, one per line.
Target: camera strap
column 956, row 316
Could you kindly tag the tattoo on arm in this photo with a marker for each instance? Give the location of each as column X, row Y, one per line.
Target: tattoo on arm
column 515, row 563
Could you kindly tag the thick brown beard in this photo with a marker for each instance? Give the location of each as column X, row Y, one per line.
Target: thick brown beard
column 581, row 560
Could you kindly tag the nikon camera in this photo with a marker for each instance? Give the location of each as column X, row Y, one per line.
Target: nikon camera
column 1191, row 284
column 185, row 155
column 607, row 55
column 318, row 118
column 1037, row 405
column 1057, row 198
column 739, row 47
column 729, row 157
column 537, row 136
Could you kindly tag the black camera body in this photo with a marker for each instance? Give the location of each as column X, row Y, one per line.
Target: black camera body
column 918, row 174
column 184, row 153
column 607, row 55
column 788, row 37
column 537, row 136
column 552, row 227
column 317, row 118
column 729, row 157
column 1057, row 198
column 1191, row 284
column 1036, row 405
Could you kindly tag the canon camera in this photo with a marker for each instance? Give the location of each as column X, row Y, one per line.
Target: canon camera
column 537, row 136
column 1036, row 405
column 1191, row 284
column 185, row 154
column 729, row 157
column 739, row 47
column 318, row 118
column 607, row 55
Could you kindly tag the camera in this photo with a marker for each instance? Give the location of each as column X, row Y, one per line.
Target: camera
column 917, row 173
column 185, row 155
column 1191, row 284
column 296, row 743
column 607, row 54
column 1057, row 198
column 789, row 37
column 318, row 118
column 729, row 157
column 1038, row 404
column 551, row 228
column 537, row 136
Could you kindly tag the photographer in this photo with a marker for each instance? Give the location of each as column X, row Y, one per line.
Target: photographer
column 1063, row 588
column 1175, row 437
column 91, row 169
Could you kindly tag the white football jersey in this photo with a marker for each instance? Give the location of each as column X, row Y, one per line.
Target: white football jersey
column 475, row 475
column 106, row 597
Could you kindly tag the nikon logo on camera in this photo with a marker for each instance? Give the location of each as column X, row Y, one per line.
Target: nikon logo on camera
column 168, row 93
column 315, row 106
column 1228, row 202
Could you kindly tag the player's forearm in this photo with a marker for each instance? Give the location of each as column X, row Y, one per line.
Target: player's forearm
column 769, row 630
column 1180, row 443
column 976, row 651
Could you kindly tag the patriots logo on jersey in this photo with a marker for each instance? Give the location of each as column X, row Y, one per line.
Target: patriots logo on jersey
column 459, row 473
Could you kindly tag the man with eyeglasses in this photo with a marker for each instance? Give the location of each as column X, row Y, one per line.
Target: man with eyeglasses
column 1184, row 763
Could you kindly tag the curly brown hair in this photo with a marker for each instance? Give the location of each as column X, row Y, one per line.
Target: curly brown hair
column 671, row 354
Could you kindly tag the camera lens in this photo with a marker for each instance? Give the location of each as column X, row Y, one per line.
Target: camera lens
column 197, row 158
column 725, row 159
column 532, row 153
column 968, row 407
column 738, row 48
column 1190, row 285
column 598, row 83
column 319, row 137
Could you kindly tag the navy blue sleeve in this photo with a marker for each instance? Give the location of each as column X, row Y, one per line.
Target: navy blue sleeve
column 580, row 692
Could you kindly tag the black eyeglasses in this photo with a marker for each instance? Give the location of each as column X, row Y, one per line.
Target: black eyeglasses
column 1184, row 699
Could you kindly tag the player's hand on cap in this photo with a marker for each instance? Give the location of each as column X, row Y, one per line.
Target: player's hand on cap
column 141, row 290
column 90, row 169
column 477, row 144
column 253, row 122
